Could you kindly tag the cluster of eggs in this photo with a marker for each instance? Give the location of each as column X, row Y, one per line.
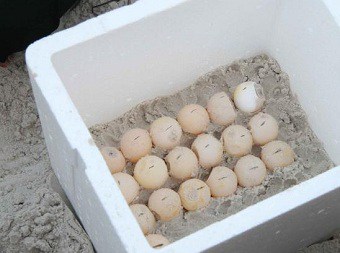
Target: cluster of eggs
column 151, row 172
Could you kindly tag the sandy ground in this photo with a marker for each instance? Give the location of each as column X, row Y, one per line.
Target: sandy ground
column 35, row 216
column 311, row 158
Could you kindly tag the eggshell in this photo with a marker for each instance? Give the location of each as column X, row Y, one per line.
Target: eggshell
column 195, row 194
column 157, row 241
column 128, row 186
column 113, row 158
column 182, row 162
column 222, row 182
column 277, row 154
column 135, row 144
column 221, row 109
column 264, row 128
column 249, row 97
column 151, row 172
column 250, row 171
column 144, row 217
column 209, row 150
column 237, row 140
column 193, row 119
column 166, row 203
column 166, row 133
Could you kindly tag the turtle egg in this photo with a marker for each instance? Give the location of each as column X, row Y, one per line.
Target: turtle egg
column 249, row 97
column 127, row 185
column 221, row 110
column 144, row 217
column 165, row 133
column 135, row 144
column 151, row 172
column 194, row 194
column 222, row 182
column 166, row 203
column 182, row 162
column 277, row 154
column 208, row 149
column 264, row 128
column 237, row 140
column 113, row 158
column 193, row 119
column 157, row 241
column 250, row 171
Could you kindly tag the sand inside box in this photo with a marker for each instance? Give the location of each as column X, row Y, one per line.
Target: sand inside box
column 280, row 103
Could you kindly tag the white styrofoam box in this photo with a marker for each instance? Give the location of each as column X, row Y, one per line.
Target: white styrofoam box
column 103, row 67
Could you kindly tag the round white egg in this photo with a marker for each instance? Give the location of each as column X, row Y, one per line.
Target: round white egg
column 157, row 241
column 208, row 149
column 237, row 140
column 221, row 109
column 135, row 144
column 194, row 194
column 127, row 185
column 222, row 182
column 249, row 97
column 193, row 119
column 277, row 154
column 264, row 128
column 113, row 158
column 166, row 133
column 250, row 171
column 166, row 203
column 182, row 162
column 144, row 217
column 151, row 172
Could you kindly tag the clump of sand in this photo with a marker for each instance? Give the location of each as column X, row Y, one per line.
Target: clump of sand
column 280, row 103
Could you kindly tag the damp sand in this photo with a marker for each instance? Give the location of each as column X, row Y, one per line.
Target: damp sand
column 280, row 103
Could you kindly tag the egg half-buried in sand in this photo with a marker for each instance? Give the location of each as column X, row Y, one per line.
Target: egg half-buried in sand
column 221, row 109
column 182, row 162
column 135, row 144
column 237, row 140
column 195, row 194
column 250, row 171
column 166, row 203
column 277, row 154
column 264, row 128
column 144, row 217
column 193, row 119
column 222, row 182
column 208, row 149
column 157, row 241
column 151, row 172
column 165, row 133
column 127, row 185
column 249, row 97
column 114, row 159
